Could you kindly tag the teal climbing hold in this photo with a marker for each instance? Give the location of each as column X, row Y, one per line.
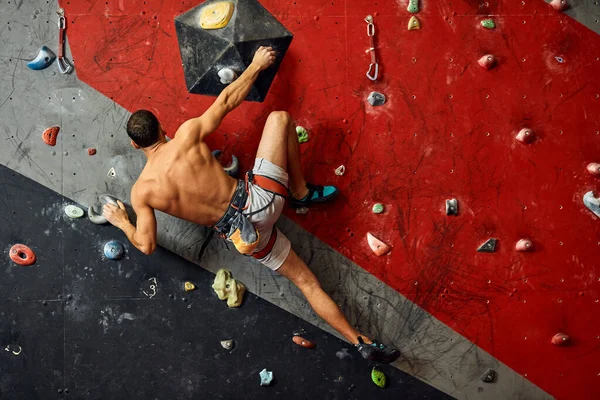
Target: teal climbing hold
column 113, row 250
column 378, row 208
column 378, row 377
column 413, row 6
column 488, row 23
column 302, row 134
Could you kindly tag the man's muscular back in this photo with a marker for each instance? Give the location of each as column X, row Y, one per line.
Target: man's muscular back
column 183, row 179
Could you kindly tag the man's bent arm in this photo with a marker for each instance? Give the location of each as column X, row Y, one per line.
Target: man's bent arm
column 144, row 235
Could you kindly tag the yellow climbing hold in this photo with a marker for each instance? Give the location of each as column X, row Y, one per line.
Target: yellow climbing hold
column 414, row 23
column 228, row 288
column 189, row 286
column 216, row 15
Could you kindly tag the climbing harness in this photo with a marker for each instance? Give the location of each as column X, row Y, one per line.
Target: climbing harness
column 64, row 66
column 373, row 67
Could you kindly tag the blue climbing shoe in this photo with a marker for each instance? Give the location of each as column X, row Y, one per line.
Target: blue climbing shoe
column 316, row 194
column 377, row 352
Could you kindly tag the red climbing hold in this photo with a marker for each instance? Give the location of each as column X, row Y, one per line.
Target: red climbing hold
column 487, row 62
column 524, row 245
column 91, row 151
column 525, row 135
column 50, row 134
column 559, row 5
column 22, row 254
column 378, row 247
column 560, row 339
column 300, row 341
column 594, row 168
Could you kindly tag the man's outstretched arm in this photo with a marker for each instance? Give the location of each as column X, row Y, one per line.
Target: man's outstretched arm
column 144, row 235
column 231, row 97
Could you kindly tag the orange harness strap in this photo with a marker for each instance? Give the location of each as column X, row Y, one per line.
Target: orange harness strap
column 268, row 184
column 265, row 252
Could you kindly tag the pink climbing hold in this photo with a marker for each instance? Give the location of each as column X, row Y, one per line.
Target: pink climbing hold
column 524, row 245
column 525, row 135
column 560, row 339
column 559, row 5
column 378, row 247
column 594, row 168
column 487, row 62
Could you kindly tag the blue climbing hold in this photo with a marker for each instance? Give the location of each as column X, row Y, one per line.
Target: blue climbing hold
column 113, row 250
column 43, row 60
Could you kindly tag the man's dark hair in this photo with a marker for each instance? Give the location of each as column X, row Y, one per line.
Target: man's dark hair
column 143, row 128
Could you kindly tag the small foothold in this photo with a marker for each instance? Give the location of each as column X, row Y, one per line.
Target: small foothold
column 487, row 62
column 73, row 211
column 228, row 288
column 525, row 135
column 22, row 255
column 560, row 339
column 50, row 135
column 452, row 207
column 592, row 203
column 489, row 376
column 559, row 59
column 95, row 211
column 376, row 99
column 594, row 168
column 227, row 76
column 43, row 60
column 524, row 245
column 340, row 171
column 91, row 151
column 113, row 250
column 414, row 23
column 302, row 134
column 111, row 173
column 488, row 247
column 378, row 247
column 378, row 208
column 189, row 286
column 559, row 5
column 488, row 23
column 300, row 341
column 266, row 377
column 378, row 377
column 227, row 344
column 413, row 6
column 302, row 210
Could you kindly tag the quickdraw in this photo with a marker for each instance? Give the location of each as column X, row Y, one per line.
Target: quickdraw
column 373, row 67
column 64, row 66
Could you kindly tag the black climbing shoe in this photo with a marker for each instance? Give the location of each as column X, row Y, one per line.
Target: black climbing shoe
column 316, row 194
column 377, row 352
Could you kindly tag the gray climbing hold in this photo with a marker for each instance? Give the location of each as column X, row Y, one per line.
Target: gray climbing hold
column 266, row 377
column 73, row 211
column 227, row 75
column 376, row 99
column 413, row 6
column 488, row 247
column 227, row 344
column 452, row 207
column 95, row 211
column 489, row 376
column 114, row 250
column 43, row 60
column 592, row 203
column 111, row 173
column 233, row 168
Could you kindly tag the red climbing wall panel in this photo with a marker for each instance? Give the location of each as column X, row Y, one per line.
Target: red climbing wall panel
column 446, row 131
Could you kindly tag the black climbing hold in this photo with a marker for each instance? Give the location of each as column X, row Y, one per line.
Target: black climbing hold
column 488, row 247
column 489, row 376
column 376, row 99
column 452, row 207
column 205, row 52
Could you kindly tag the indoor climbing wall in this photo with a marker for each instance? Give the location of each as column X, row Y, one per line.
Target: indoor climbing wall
column 448, row 130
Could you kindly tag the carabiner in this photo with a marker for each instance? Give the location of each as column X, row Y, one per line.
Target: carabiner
column 64, row 66
column 374, row 76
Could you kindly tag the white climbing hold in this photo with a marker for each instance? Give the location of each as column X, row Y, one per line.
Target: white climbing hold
column 266, row 377
column 592, row 203
column 559, row 5
column 594, row 168
column 73, row 211
column 487, row 62
column 524, row 245
column 227, row 76
column 111, row 173
column 525, row 135
column 340, row 171
column 227, row 344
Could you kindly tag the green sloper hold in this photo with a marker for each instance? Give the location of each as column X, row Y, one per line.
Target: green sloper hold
column 488, row 23
column 378, row 377
column 413, row 6
column 302, row 134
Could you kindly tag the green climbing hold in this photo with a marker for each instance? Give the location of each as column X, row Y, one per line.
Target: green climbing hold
column 413, row 6
column 488, row 23
column 302, row 134
column 378, row 208
column 378, row 377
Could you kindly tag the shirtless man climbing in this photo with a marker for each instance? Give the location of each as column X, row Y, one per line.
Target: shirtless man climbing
column 183, row 179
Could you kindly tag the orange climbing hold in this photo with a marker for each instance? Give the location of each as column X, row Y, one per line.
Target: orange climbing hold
column 594, row 168
column 50, row 134
column 22, row 255
column 559, row 5
column 378, row 247
column 560, row 339
column 524, row 245
column 91, row 151
column 525, row 135
column 487, row 62
column 300, row 341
